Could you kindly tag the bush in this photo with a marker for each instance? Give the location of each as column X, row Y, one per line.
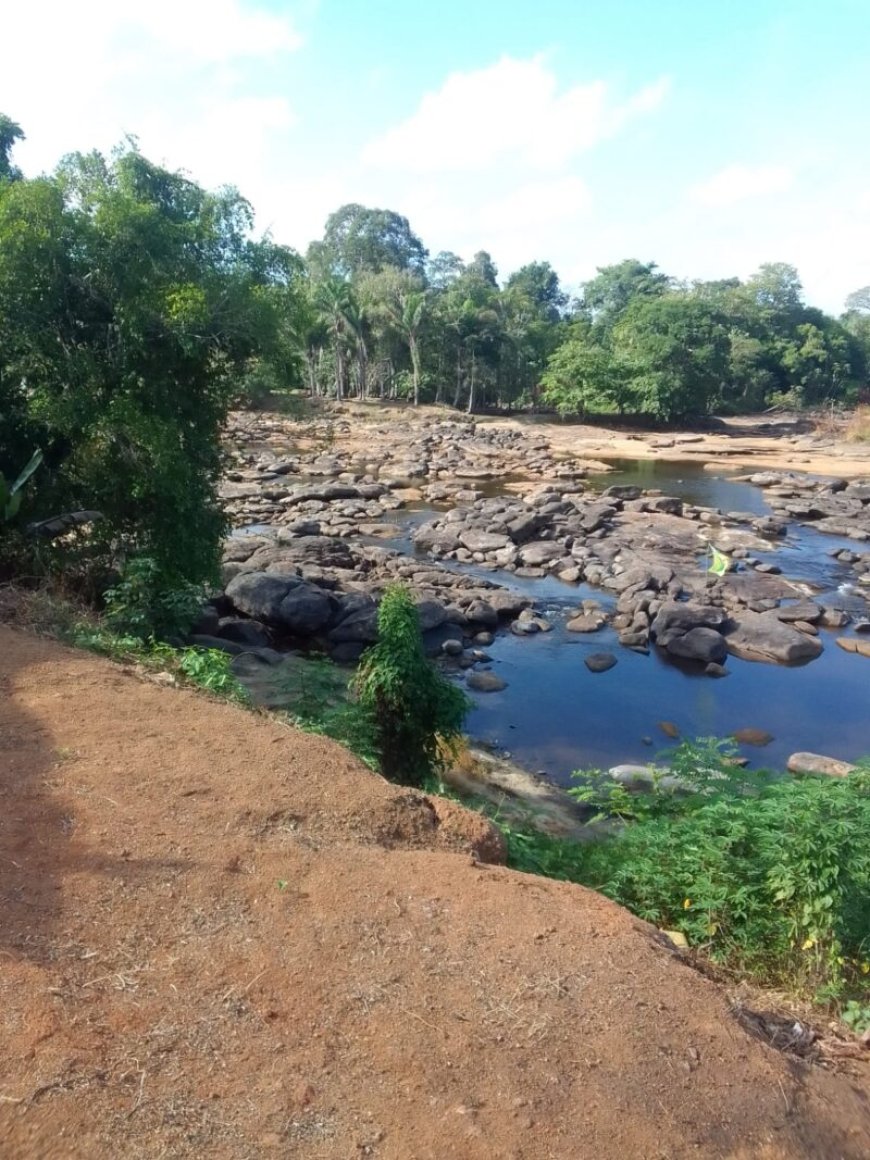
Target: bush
column 415, row 712
column 143, row 605
column 766, row 874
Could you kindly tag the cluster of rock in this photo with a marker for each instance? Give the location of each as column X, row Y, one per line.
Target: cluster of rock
column 326, row 493
column 316, row 469
column 648, row 549
column 287, row 589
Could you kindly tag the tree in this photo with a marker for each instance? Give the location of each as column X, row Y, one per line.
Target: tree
column 358, row 240
column 582, row 377
column 676, row 351
column 338, row 312
column 131, row 303
column 539, row 282
column 10, row 133
column 607, row 296
column 414, row 710
column 858, row 301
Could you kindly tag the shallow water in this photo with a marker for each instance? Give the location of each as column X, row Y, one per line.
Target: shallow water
column 555, row 715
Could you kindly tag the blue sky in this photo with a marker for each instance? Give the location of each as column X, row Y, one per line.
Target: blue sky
column 706, row 135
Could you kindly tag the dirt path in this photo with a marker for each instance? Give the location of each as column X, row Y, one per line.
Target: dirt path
column 222, row 938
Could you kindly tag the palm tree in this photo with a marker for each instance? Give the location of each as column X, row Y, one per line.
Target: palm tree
column 335, row 303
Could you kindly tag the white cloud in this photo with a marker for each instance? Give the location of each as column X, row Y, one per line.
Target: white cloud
column 737, row 183
column 511, row 110
column 173, row 72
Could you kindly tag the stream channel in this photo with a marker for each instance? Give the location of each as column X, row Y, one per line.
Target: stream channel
column 555, row 715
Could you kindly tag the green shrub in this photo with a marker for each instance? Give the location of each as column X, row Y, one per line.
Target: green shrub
column 414, row 710
column 144, row 604
column 769, row 875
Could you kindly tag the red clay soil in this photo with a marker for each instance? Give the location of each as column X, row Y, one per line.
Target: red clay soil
column 223, row 938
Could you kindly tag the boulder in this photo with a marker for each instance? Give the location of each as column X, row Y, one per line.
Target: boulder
column 600, row 662
column 816, row 763
column 305, row 610
column 750, row 736
column 586, row 622
column 259, row 594
column 854, row 645
column 806, row 610
column 675, row 619
column 699, row 644
column 479, row 541
column 247, row 632
column 541, row 552
column 486, row 682
column 762, row 636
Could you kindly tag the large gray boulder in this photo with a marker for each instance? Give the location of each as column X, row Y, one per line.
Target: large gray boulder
column 477, row 540
column 675, row 619
column 259, row 594
column 699, row 644
column 762, row 636
column 305, row 610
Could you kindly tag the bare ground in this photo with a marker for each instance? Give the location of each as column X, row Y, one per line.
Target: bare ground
column 220, row 937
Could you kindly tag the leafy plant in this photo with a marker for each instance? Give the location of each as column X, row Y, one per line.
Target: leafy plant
column 12, row 494
column 412, row 707
column 145, row 605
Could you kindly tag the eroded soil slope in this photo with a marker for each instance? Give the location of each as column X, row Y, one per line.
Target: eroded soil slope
column 222, row 938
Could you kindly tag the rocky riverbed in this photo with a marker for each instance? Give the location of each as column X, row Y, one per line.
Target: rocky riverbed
column 482, row 519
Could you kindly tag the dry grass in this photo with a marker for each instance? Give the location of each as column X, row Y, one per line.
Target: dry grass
column 858, row 429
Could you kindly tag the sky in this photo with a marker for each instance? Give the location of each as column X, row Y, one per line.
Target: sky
column 708, row 136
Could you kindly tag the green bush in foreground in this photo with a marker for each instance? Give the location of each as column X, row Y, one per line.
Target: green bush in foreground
column 415, row 711
column 767, row 875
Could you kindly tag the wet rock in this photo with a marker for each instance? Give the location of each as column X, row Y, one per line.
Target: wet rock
column 699, row 644
column 762, row 636
column 600, row 662
column 752, row 737
column 854, row 645
column 452, row 647
column 802, row 610
column 587, row 622
column 669, row 729
column 833, row 618
column 675, row 619
column 714, row 670
column 817, row 763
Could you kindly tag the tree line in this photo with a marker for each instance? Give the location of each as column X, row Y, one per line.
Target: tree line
column 136, row 308
column 386, row 318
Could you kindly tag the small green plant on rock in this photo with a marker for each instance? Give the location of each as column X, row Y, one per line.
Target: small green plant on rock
column 415, row 711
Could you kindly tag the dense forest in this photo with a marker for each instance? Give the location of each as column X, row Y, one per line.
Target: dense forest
column 136, row 308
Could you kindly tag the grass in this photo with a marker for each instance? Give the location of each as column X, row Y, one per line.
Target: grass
column 858, row 429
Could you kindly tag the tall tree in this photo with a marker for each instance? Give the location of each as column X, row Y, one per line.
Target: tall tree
column 359, row 240
column 608, row 295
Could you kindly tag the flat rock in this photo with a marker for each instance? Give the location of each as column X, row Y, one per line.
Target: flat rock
column 587, row 622
column 817, row 763
column 853, row 645
column 762, row 636
column 752, row 737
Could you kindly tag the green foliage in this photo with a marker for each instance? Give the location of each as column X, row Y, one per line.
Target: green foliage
column 208, row 669
column 131, row 303
column 768, row 874
column 321, row 702
column 414, row 710
column 141, row 604
column 12, row 494
column 857, row 1016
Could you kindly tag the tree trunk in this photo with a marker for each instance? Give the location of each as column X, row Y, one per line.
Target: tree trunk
column 470, row 407
column 415, row 367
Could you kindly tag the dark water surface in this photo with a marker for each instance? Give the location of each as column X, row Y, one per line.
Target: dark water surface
column 556, row 716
